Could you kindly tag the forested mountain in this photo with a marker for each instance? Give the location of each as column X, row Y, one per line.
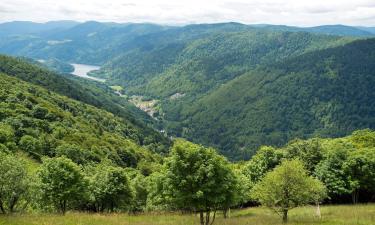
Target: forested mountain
column 90, row 42
column 221, row 85
column 18, row 28
column 328, row 92
column 339, row 30
column 89, row 92
column 192, row 66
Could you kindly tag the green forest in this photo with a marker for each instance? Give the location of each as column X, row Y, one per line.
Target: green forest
column 249, row 125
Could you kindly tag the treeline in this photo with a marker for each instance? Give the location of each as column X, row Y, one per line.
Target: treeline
column 196, row 179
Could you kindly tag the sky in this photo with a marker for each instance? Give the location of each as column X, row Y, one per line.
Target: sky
column 175, row 12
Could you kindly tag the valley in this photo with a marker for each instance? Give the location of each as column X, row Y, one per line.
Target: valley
column 200, row 123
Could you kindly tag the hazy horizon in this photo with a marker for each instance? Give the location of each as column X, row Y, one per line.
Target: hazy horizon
column 278, row 12
column 184, row 24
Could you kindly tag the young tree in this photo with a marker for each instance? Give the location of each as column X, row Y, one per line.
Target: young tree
column 199, row 180
column 14, row 183
column 286, row 187
column 61, row 182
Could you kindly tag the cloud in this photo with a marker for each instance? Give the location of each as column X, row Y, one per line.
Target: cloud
column 289, row 12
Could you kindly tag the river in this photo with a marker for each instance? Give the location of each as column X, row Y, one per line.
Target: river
column 82, row 70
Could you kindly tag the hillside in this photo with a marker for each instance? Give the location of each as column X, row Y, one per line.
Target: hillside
column 328, row 92
column 191, row 62
column 38, row 122
column 89, row 92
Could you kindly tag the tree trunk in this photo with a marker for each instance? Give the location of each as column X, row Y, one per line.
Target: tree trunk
column 208, row 214
column 318, row 214
column 2, row 207
column 201, row 217
column 225, row 212
column 285, row 216
column 213, row 218
column 355, row 196
column 13, row 204
column 64, row 207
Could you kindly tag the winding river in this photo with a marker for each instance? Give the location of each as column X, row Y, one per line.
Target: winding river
column 82, row 70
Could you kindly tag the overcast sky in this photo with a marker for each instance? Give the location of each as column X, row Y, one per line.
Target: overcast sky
column 288, row 12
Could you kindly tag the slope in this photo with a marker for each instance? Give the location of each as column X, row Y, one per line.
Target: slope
column 325, row 93
column 43, row 123
column 89, row 92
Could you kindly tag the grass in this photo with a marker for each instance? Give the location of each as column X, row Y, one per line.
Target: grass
column 116, row 88
column 331, row 215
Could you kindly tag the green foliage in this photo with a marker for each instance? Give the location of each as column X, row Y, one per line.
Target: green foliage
column 76, row 154
column 14, row 184
column 360, row 166
column 109, row 188
column 61, row 183
column 331, row 170
column 310, row 152
column 43, row 123
column 197, row 179
column 262, row 162
column 325, row 93
column 88, row 92
column 286, row 187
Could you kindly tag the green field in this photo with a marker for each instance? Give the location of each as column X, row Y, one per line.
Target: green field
column 343, row 214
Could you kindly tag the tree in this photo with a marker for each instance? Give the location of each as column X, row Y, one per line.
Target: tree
column 110, row 188
column 263, row 161
column 360, row 167
column 30, row 145
column 331, row 169
column 286, row 187
column 61, row 182
column 14, row 183
column 309, row 151
column 199, row 180
column 75, row 153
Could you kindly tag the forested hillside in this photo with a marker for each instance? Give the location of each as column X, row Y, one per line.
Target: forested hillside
column 89, row 92
column 42, row 123
column 225, row 85
column 194, row 65
column 322, row 93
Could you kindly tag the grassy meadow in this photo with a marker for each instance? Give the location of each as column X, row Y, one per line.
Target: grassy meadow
column 340, row 215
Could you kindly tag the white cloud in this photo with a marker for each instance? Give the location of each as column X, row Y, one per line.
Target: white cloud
column 290, row 12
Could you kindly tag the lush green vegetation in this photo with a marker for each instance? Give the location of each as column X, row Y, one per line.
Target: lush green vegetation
column 38, row 122
column 219, row 84
column 90, row 92
column 69, row 145
column 325, row 93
